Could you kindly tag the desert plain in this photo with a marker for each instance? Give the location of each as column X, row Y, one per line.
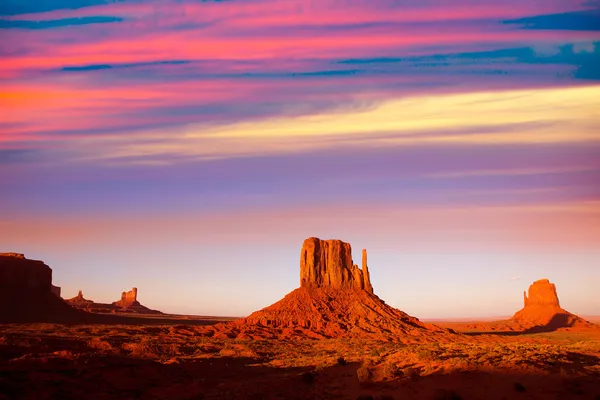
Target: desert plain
column 332, row 338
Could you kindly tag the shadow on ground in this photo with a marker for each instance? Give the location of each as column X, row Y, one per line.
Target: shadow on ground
column 92, row 376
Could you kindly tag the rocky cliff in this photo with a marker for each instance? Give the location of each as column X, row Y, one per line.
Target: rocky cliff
column 27, row 293
column 542, row 311
column 328, row 263
column 128, row 299
column 335, row 299
column 79, row 300
column 17, row 272
column 542, row 293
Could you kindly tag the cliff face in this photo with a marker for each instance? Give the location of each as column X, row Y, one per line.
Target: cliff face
column 542, row 311
column 128, row 299
column 19, row 273
column 79, row 300
column 27, row 293
column 328, row 263
column 335, row 299
column 542, row 293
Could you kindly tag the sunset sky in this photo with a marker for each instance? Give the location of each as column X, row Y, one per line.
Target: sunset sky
column 189, row 147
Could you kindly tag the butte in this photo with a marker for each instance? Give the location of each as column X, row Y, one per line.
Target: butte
column 542, row 312
column 27, row 293
column 335, row 299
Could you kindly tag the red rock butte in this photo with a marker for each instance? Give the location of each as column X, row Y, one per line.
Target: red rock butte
column 328, row 263
column 542, row 311
column 335, row 299
column 128, row 299
column 79, row 300
column 542, row 293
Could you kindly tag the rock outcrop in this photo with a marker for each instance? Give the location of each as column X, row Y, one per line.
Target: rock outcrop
column 27, row 293
column 127, row 305
column 17, row 272
column 328, row 263
column 542, row 293
column 130, row 304
column 128, row 299
column 542, row 312
column 79, row 300
column 335, row 299
column 55, row 290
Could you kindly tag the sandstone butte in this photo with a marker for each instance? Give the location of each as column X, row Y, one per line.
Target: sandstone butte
column 27, row 293
column 79, row 300
column 542, row 311
column 128, row 304
column 335, row 299
column 128, row 299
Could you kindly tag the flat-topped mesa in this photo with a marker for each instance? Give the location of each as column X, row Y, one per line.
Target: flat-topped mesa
column 22, row 274
column 127, row 298
column 328, row 263
column 27, row 293
column 541, row 293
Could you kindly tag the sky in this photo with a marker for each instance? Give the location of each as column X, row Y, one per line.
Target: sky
column 187, row 148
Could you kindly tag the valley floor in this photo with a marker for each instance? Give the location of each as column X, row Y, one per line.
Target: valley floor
column 177, row 361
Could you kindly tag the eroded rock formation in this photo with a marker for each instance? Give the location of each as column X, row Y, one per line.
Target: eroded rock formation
column 541, row 293
column 335, row 299
column 27, row 293
column 542, row 311
column 128, row 299
column 328, row 263
column 79, row 300
column 17, row 272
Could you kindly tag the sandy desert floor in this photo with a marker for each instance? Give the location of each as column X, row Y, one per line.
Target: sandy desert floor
column 178, row 361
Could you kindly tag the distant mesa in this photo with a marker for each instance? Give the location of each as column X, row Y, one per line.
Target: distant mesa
column 542, row 312
column 128, row 304
column 128, row 299
column 27, row 293
column 335, row 299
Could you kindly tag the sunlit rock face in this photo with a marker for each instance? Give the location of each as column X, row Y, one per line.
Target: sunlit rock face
column 328, row 263
column 541, row 293
column 128, row 299
column 542, row 310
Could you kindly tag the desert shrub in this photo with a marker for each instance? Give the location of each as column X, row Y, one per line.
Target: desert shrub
column 519, row 387
column 364, row 374
column 374, row 353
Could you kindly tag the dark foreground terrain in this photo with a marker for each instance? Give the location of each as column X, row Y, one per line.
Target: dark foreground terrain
column 177, row 361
